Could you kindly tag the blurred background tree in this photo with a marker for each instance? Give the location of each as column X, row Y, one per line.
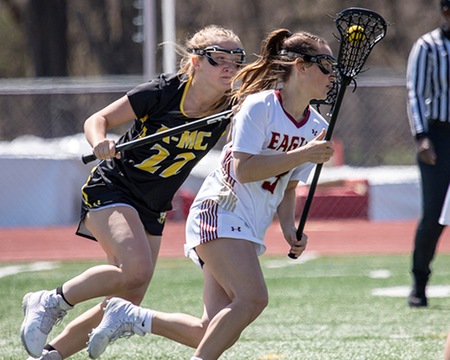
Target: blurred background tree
column 86, row 38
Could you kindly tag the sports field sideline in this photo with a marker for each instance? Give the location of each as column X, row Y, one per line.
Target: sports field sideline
column 345, row 237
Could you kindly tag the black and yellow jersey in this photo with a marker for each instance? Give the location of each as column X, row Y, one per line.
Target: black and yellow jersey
column 151, row 174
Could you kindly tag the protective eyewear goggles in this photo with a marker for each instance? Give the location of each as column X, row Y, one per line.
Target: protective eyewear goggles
column 218, row 56
column 326, row 63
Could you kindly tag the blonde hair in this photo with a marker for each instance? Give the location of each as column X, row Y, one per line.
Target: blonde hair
column 271, row 68
column 203, row 38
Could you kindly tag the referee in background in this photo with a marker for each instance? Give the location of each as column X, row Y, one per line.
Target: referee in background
column 428, row 77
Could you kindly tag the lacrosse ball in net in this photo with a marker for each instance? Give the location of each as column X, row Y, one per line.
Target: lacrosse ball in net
column 355, row 33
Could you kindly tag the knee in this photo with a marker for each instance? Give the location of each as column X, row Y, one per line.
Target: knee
column 137, row 276
column 261, row 304
column 256, row 303
column 135, row 296
column 137, row 281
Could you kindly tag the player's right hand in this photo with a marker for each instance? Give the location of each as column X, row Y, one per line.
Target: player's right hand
column 105, row 149
column 425, row 151
column 319, row 151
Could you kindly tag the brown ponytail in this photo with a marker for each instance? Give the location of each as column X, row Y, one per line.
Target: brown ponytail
column 267, row 71
column 271, row 68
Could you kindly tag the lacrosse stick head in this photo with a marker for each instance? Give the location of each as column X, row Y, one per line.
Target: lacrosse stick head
column 360, row 29
column 331, row 96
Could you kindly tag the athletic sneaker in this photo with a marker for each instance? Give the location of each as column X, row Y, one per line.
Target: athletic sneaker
column 48, row 355
column 121, row 319
column 417, row 297
column 42, row 310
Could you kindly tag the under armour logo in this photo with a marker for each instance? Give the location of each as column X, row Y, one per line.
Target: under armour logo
column 236, row 228
column 314, row 132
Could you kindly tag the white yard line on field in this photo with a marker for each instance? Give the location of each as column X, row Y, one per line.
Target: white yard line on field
column 380, row 274
column 37, row 266
column 281, row 263
column 433, row 291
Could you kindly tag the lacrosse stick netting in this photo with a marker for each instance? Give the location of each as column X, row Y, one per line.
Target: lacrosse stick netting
column 353, row 52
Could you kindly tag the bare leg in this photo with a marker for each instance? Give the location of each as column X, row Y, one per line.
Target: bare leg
column 186, row 329
column 75, row 335
column 122, row 236
column 447, row 348
column 235, row 266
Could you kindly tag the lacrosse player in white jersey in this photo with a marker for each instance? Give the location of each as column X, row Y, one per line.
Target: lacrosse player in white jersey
column 277, row 137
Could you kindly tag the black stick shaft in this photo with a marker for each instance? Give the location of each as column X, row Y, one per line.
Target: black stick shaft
column 224, row 115
column 315, row 180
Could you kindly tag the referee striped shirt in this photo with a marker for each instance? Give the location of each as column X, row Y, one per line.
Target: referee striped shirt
column 427, row 81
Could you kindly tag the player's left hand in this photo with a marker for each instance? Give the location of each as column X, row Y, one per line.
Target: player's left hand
column 297, row 246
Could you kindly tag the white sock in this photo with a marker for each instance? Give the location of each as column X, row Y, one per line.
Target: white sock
column 196, row 358
column 147, row 318
column 62, row 303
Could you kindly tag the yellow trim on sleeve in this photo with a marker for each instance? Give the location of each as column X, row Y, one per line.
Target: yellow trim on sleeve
column 188, row 84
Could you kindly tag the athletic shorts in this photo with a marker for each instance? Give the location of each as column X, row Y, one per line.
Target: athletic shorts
column 97, row 196
column 208, row 221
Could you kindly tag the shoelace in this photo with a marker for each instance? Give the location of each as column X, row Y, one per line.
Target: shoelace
column 52, row 316
column 125, row 330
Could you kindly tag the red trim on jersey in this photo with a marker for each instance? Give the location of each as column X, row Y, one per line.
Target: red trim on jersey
column 208, row 221
column 295, row 122
column 227, row 161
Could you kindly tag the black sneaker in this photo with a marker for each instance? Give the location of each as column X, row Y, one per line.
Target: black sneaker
column 417, row 298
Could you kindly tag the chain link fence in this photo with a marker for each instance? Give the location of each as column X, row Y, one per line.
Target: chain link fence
column 372, row 176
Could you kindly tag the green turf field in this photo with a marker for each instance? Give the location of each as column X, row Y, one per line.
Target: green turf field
column 320, row 309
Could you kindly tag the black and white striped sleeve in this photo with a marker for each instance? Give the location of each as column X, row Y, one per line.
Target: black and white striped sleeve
column 418, row 87
column 427, row 82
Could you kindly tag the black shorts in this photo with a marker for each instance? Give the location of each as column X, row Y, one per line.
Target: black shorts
column 98, row 195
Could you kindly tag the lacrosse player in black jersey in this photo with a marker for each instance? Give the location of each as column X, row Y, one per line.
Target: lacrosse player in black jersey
column 127, row 194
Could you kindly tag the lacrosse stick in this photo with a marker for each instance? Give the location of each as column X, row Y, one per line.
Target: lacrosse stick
column 360, row 29
column 224, row 115
column 330, row 100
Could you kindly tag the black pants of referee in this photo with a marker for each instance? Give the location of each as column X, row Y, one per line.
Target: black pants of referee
column 435, row 181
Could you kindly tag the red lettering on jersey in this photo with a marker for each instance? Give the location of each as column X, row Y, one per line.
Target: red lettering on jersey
column 274, row 140
column 295, row 143
column 266, row 185
column 285, row 143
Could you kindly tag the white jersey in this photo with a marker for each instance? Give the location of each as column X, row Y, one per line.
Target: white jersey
column 226, row 208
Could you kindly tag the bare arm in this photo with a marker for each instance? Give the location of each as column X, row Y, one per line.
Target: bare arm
column 286, row 216
column 250, row 167
column 96, row 126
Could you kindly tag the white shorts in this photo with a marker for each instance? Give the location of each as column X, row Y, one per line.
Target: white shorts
column 445, row 212
column 208, row 221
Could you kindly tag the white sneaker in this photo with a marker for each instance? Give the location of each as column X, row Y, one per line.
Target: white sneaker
column 42, row 310
column 121, row 319
column 48, row 355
